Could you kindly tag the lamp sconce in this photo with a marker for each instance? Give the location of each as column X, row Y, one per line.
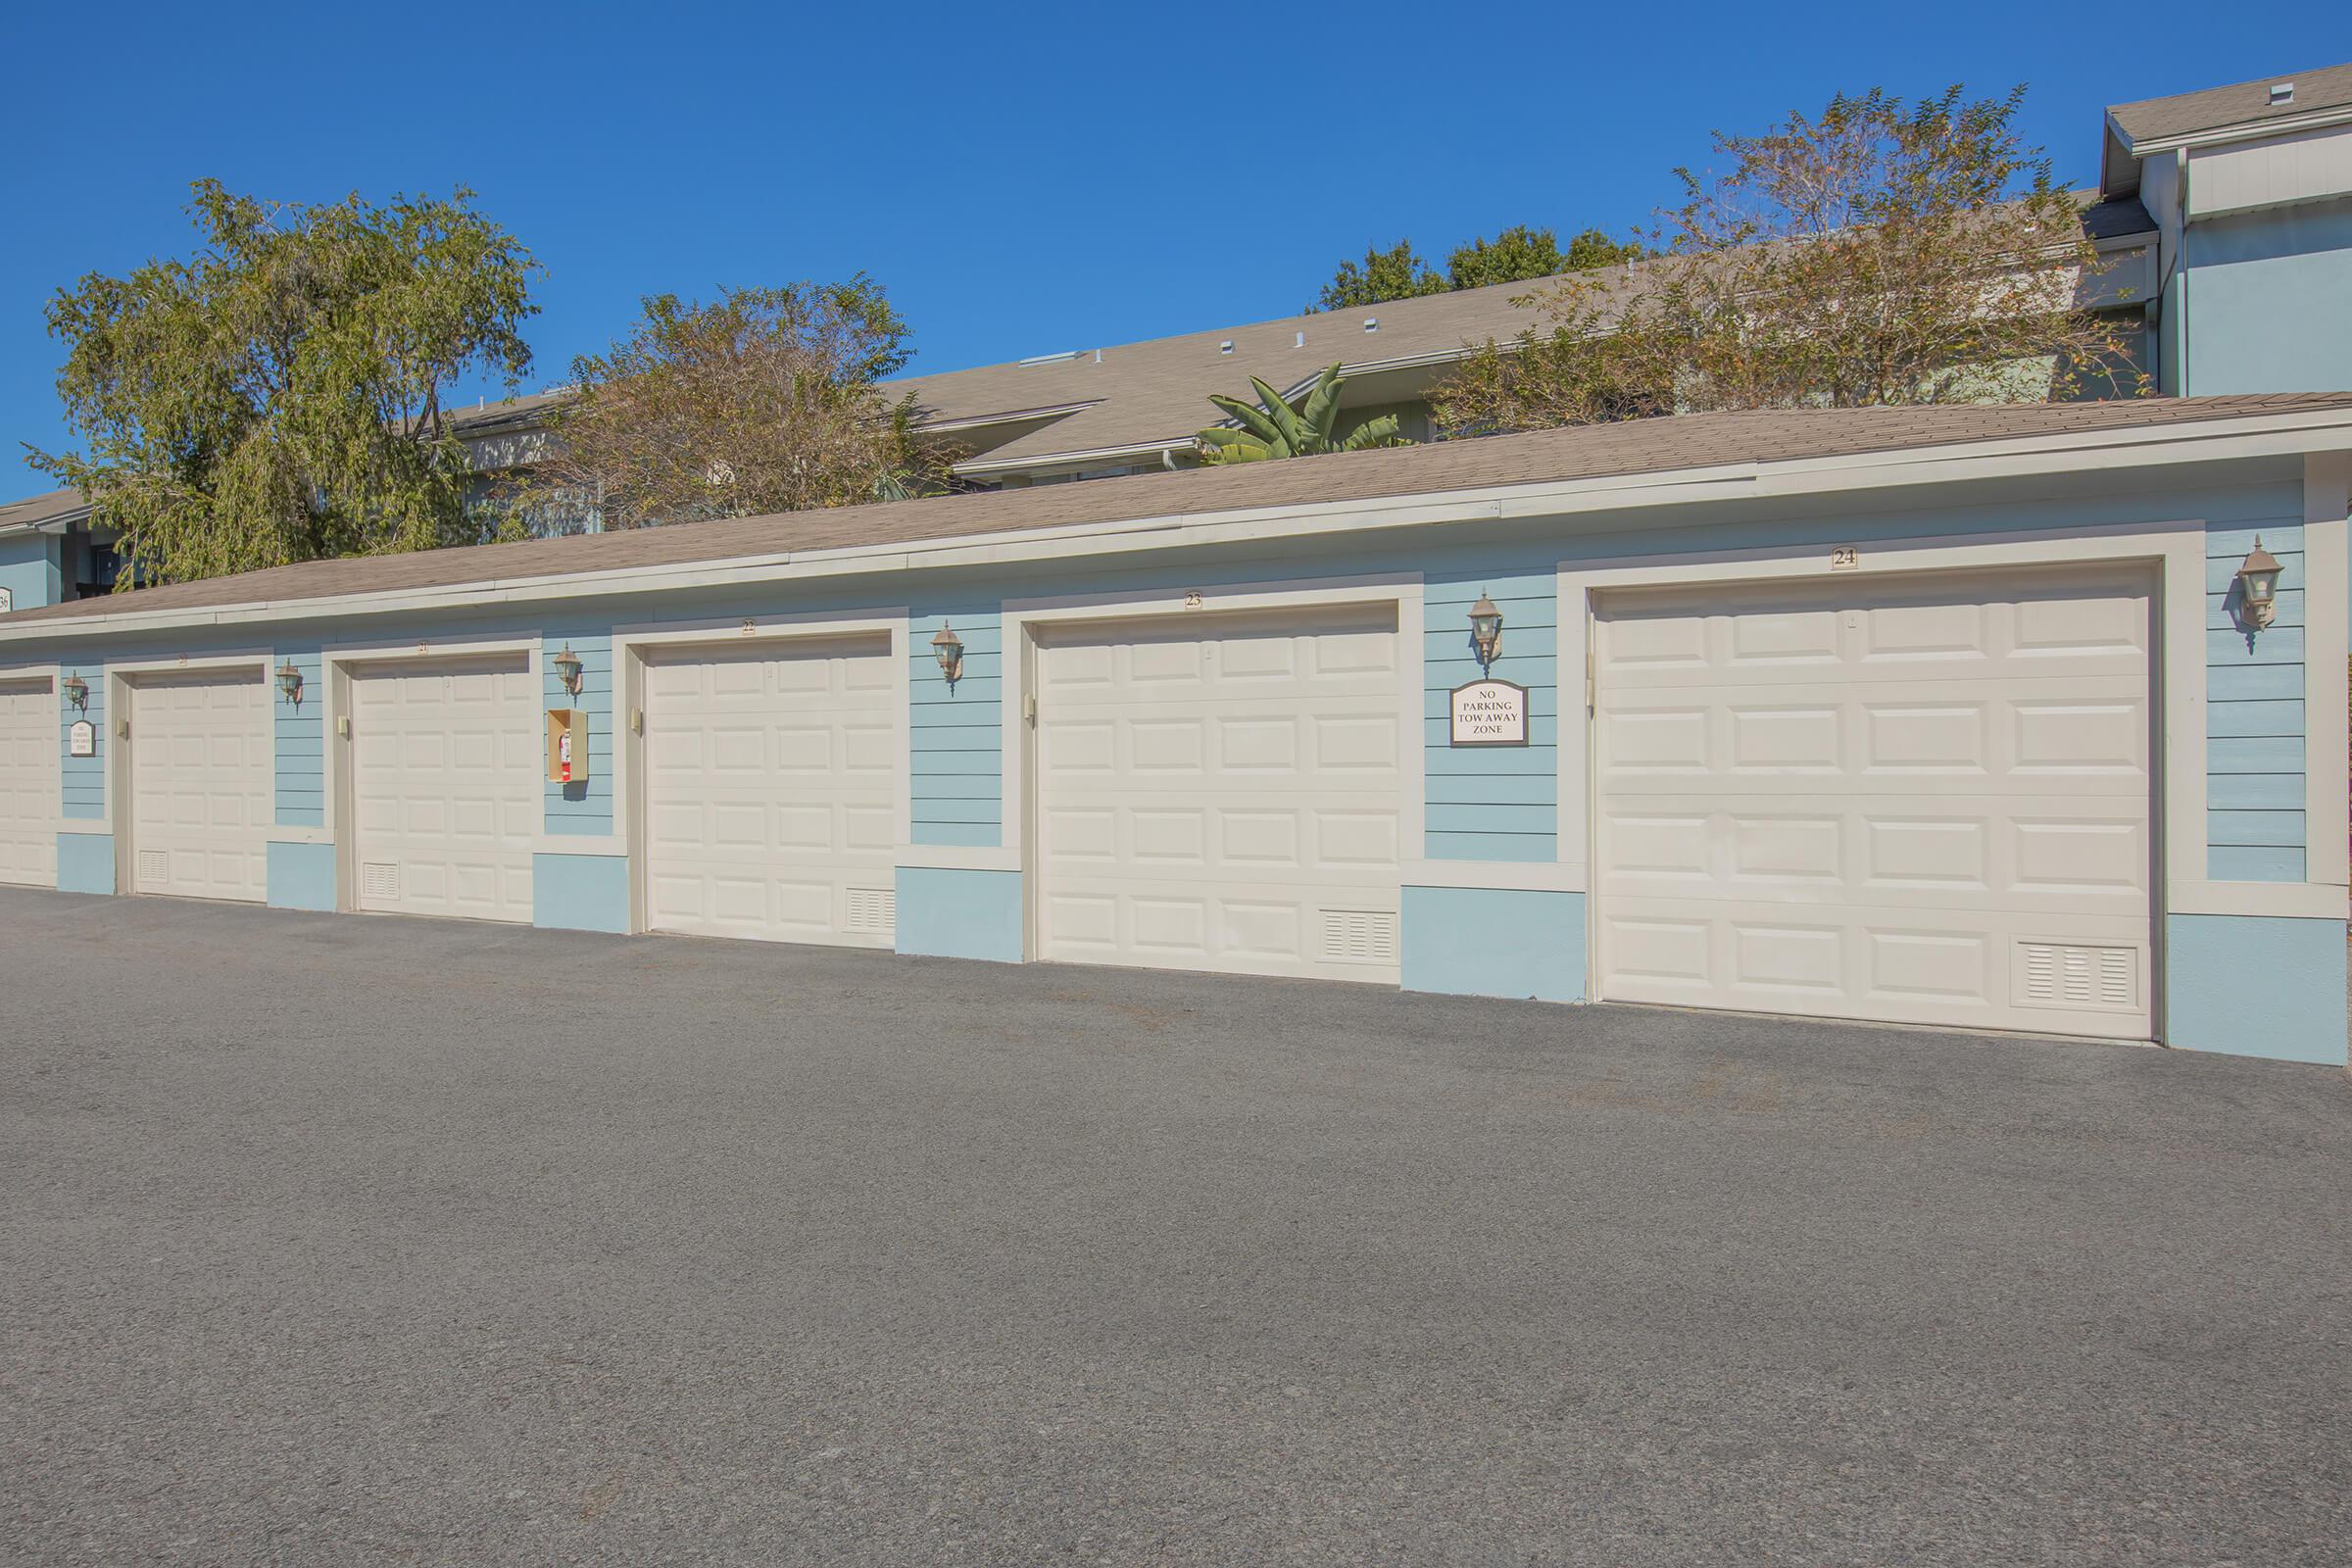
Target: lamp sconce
column 1486, row 631
column 2258, row 587
column 289, row 682
column 948, row 649
column 568, row 670
column 77, row 692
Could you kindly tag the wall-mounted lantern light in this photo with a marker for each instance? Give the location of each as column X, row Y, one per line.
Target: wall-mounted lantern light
column 2258, row 585
column 77, row 692
column 948, row 649
column 1486, row 631
column 568, row 670
column 289, row 682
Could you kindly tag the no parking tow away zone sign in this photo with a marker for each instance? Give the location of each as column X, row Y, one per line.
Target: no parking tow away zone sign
column 1489, row 713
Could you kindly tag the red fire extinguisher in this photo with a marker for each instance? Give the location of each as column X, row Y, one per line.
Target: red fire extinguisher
column 564, row 756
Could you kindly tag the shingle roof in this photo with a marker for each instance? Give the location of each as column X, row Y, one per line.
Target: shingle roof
column 1647, row 446
column 47, row 507
column 1156, row 392
column 2239, row 103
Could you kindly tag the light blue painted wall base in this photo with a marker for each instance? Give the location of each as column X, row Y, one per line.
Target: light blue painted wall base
column 302, row 876
column 2215, row 965
column 1492, row 942
column 961, row 915
column 85, row 862
column 580, row 892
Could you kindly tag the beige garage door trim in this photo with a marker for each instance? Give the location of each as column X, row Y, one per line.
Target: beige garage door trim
column 203, row 784
column 29, row 782
column 769, row 805
column 1223, row 793
column 1920, row 799
column 445, row 786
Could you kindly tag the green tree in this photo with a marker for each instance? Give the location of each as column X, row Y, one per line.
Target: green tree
column 1517, row 255
column 1271, row 428
column 279, row 396
column 1880, row 252
column 763, row 399
column 1594, row 248
column 1395, row 274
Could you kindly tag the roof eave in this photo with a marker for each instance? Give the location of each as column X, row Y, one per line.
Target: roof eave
column 2241, row 130
column 2222, row 437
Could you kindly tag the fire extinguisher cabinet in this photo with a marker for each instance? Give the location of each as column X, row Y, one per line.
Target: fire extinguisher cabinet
column 566, row 745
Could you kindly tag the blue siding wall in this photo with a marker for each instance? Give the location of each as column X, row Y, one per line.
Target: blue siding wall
column 83, row 779
column 1491, row 803
column 2254, row 718
column 2265, row 300
column 956, row 739
column 30, row 571
column 300, row 739
column 585, row 806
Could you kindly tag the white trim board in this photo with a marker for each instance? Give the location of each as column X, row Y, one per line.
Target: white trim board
column 2327, row 623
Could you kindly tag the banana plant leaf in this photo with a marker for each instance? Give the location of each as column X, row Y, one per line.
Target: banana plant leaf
column 1251, row 418
column 1217, row 445
column 1380, row 432
column 1322, row 408
column 1286, row 418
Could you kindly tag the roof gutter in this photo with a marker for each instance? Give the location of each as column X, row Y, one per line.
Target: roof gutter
column 2130, row 447
column 2239, row 130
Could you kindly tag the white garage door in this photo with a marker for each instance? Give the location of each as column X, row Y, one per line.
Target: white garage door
column 771, row 792
column 29, row 771
column 1222, row 795
column 1920, row 800
column 446, row 785
column 201, row 786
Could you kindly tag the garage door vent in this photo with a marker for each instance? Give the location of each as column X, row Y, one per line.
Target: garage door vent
column 1359, row 936
column 2052, row 974
column 155, row 867
column 379, row 879
column 873, row 911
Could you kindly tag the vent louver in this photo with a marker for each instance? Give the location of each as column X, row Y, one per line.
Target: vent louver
column 873, row 911
column 379, row 879
column 2052, row 974
column 1359, row 936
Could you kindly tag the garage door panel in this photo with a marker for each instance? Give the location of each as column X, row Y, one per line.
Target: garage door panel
column 1887, row 853
column 447, row 787
column 772, row 809
column 1922, row 965
column 1222, row 797
column 1928, row 804
column 30, row 785
column 201, row 788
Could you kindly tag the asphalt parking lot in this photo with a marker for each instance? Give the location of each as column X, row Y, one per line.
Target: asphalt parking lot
column 345, row 1240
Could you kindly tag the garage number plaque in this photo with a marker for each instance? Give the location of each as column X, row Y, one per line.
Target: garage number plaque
column 1489, row 713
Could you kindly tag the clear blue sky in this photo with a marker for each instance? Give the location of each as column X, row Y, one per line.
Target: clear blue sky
column 1023, row 178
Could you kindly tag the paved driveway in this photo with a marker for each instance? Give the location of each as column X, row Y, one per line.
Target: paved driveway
column 360, row 1241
